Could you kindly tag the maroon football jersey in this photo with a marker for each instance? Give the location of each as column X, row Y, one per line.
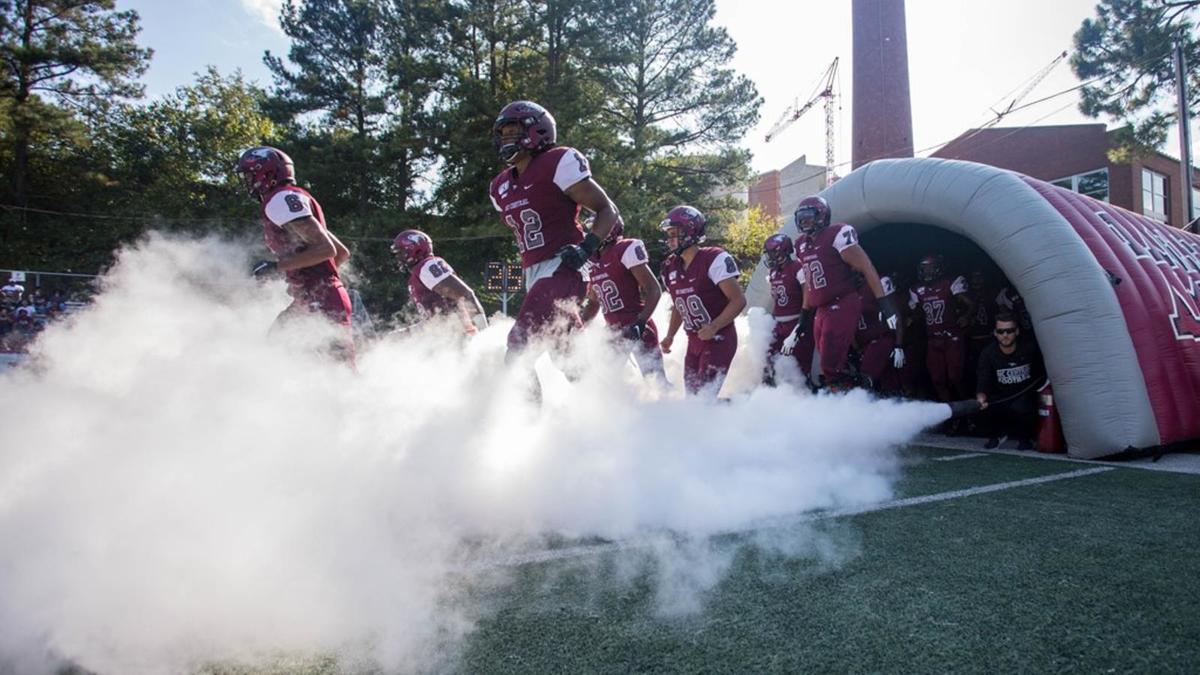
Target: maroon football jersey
column 870, row 326
column 938, row 303
column 694, row 290
column 826, row 275
column 614, row 283
column 421, row 282
column 534, row 205
column 281, row 206
column 787, row 288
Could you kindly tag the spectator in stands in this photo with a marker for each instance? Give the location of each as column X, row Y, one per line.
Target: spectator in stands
column 57, row 299
column 18, row 339
column 24, row 309
column 12, row 291
column 6, row 321
column 1008, row 372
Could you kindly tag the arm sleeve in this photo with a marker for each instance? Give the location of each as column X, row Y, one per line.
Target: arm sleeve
column 912, row 299
column 722, row 268
column 434, row 271
column 635, row 254
column 572, row 168
column 286, row 206
column 845, row 238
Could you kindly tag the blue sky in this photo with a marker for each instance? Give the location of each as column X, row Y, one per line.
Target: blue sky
column 963, row 56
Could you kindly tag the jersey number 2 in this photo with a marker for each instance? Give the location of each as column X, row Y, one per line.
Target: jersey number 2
column 528, row 231
column 610, row 296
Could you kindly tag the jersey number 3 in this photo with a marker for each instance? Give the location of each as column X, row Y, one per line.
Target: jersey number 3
column 528, row 231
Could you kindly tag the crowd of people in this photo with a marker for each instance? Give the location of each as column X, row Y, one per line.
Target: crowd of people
column 25, row 313
column 843, row 323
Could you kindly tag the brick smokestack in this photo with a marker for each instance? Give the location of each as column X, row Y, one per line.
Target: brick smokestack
column 882, row 109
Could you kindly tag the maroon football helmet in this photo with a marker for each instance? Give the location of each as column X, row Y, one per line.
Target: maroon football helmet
column 264, row 168
column 812, row 214
column 411, row 247
column 540, row 129
column 777, row 250
column 690, row 222
column 930, row 268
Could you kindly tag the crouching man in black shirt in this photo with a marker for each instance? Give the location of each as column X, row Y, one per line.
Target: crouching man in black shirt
column 1008, row 367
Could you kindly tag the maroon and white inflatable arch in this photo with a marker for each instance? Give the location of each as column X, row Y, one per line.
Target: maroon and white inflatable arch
column 1114, row 296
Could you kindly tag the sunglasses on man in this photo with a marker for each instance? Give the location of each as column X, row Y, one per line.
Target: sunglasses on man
column 1005, row 331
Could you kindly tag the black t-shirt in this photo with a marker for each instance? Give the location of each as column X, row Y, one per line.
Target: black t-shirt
column 1001, row 375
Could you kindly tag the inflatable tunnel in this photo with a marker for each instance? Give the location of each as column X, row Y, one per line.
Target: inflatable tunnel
column 1114, row 296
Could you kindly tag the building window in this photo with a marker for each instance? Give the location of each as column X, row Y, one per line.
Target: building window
column 1154, row 195
column 1091, row 183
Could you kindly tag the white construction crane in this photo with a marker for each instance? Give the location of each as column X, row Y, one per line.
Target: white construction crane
column 825, row 90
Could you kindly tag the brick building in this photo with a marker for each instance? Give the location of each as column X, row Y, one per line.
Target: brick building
column 778, row 192
column 1074, row 156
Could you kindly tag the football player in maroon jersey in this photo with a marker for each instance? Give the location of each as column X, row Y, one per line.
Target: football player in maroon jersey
column 306, row 252
column 539, row 194
column 622, row 285
column 830, row 256
column 786, row 275
column 705, row 299
column 432, row 284
column 947, row 307
column 880, row 347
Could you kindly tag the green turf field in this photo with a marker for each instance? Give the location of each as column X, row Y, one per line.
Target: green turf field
column 994, row 563
column 1092, row 573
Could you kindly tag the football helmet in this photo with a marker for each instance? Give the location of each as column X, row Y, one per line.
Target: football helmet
column 777, row 250
column 264, row 168
column 411, row 247
column 812, row 214
column 930, row 268
column 689, row 223
column 540, row 130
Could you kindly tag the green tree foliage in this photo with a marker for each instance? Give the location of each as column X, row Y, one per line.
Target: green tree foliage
column 744, row 237
column 339, row 71
column 674, row 102
column 57, row 55
column 1125, row 56
column 172, row 157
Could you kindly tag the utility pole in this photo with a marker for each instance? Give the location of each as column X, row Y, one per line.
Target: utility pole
column 1185, row 133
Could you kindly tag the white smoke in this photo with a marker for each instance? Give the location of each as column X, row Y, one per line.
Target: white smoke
column 177, row 488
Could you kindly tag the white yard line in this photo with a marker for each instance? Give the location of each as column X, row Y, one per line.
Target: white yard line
column 1178, row 462
column 951, row 458
column 532, row 557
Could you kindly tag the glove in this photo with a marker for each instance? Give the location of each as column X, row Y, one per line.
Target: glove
column 804, row 322
column 634, row 331
column 888, row 313
column 898, row 358
column 789, row 343
column 264, row 268
column 576, row 256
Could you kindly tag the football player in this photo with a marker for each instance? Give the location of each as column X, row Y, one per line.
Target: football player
column 623, row 287
column 880, row 347
column 786, row 276
column 538, row 195
column 705, row 299
column 306, row 252
column 830, row 255
column 432, row 284
column 947, row 306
